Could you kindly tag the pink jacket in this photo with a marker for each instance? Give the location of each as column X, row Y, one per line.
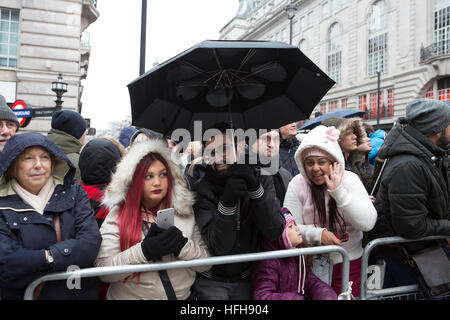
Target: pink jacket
column 287, row 278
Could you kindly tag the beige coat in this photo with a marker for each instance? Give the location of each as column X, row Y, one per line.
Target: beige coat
column 149, row 286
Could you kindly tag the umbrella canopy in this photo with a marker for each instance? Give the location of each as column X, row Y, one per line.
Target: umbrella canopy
column 256, row 84
column 339, row 113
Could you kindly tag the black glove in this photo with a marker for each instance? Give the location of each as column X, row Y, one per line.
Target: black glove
column 164, row 243
column 246, row 172
column 174, row 240
column 234, row 190
column 154, row 230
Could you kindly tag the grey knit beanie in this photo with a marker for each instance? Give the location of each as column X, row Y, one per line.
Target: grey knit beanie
column 428, row 116
column 6, row 113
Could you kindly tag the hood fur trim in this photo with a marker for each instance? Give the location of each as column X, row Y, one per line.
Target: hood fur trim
column 354, row 125
column 182, row 198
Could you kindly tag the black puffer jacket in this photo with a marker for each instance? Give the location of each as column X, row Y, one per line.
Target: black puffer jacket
column 414, row 191
column 258, row 217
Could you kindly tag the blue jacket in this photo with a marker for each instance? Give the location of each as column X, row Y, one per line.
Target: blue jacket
column 376, row 140
column 25, row 233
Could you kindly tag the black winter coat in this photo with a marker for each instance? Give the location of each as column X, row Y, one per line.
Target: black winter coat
column 258, row 217
column 287, row 155
column 25, row 233
column 413, row 193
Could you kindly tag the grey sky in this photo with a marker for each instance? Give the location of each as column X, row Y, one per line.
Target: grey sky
column 172, row 27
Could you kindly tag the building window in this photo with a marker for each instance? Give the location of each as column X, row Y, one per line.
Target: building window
column 430, row 93
column 334, row 53
column 323, row 107
column 335, row 5
column 309, row 19
column 443, row 89
column 303, row 46
column 334, row 105
column 378, row 38
column 325, row 10
column 9, row 37
column 370, row 107
column 390, row 103
column 442, row 26
column 284, row 35
column 344, row 103
column 362, row 103
column 295, row 28
column 303, row 23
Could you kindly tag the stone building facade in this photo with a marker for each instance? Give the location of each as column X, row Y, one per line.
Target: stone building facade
column 38, row 40
column 406, row 41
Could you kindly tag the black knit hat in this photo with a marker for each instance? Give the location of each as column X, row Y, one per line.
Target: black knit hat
column 6, row 113
column 70, row 122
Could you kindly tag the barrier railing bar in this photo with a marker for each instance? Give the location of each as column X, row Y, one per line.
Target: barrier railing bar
column 104, row 271
column 392, row 291
column 365, row 262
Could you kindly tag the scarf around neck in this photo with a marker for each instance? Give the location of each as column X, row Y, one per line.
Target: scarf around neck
column 39, row 201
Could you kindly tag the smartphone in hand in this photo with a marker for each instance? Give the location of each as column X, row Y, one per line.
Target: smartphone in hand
column 165, row 218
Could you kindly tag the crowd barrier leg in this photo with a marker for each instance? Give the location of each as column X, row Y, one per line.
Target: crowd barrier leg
column 366, row 293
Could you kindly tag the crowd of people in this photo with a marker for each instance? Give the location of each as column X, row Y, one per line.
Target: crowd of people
column 64, row 202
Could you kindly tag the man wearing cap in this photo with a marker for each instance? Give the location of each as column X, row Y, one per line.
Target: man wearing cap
column 413, row 198
column 68, row 132
column 9, row 124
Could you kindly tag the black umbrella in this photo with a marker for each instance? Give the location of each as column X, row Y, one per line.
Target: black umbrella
column 255, row 84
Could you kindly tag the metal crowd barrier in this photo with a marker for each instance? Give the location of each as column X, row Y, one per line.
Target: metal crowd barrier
column 366, row 293
column 104, row 271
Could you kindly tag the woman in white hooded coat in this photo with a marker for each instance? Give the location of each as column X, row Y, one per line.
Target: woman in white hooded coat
column 330, row 204
column 147, row 180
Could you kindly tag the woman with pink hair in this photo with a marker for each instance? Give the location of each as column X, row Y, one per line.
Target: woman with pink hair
column 145, row 181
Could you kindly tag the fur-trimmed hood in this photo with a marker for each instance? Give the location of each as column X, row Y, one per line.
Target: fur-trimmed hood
column 182, row 198
column 352, row 125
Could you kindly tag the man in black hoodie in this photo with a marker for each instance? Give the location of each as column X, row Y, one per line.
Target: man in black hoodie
column 235, row 207
column 413, row 197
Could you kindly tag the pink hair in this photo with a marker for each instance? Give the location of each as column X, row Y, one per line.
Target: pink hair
column 130, row 215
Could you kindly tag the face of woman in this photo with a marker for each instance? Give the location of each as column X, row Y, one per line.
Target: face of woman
column 349, row 142
column 294, row 235
column 316, row 167
column 34, row 168
column 155, row 185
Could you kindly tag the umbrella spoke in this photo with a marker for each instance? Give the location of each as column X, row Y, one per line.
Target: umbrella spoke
column 193, row 67
column 249, row 54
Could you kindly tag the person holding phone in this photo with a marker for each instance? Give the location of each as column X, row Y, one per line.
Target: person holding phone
column 146, row 181
column 330, row 204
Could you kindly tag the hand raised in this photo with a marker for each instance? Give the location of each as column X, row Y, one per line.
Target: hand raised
column 333, row 181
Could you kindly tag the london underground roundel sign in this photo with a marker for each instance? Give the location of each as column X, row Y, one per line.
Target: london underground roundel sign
column 22, row 112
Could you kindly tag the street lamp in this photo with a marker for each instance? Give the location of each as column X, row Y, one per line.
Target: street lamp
column 290, row 9
column 59, row 87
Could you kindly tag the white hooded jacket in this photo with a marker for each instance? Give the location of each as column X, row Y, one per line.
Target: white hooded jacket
column 148, row 285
